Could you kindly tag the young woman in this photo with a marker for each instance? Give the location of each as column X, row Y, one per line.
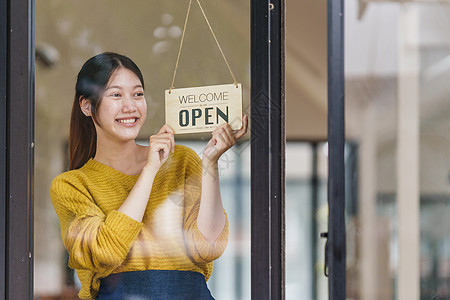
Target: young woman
column 143, row 222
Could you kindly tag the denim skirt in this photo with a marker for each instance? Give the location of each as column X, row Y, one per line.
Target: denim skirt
column 155, row 285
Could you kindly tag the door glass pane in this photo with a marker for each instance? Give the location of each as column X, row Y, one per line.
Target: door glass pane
column 70, row 32
column 306, row 218
column 397, row 121
column 299, row 219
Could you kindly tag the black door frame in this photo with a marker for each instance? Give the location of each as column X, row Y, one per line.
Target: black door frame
column 17, row 148
column 336, row 249
column 267, row 149
column 268, row 141
column 3, row 130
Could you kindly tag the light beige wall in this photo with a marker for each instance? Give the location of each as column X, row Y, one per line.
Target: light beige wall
column 306, row 70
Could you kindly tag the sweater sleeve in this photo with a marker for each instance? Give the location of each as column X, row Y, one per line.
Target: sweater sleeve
column 95, row 241
column 199, row 249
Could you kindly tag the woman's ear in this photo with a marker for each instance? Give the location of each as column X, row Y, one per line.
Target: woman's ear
column 85, row 106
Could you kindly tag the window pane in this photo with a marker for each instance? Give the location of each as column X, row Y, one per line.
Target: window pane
column 397, row 112
column 70, row 32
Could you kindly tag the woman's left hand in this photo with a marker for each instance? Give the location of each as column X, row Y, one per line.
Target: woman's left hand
column 223, row 138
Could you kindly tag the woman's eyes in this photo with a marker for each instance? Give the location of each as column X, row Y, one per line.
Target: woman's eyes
column 118, row 95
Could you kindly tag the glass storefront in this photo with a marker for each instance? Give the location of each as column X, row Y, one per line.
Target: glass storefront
column 397, row 152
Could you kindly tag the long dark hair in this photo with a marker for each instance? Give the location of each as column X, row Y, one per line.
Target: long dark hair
column 92, row 81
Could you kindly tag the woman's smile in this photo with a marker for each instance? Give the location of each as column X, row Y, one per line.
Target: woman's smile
column 129, row 122
column 126, row 121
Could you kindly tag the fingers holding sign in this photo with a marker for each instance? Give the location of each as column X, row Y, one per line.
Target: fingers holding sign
column 223, row 138
column 243, row 130
column 160, row 145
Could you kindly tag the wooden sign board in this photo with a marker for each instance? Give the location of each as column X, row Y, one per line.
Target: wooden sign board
column 202, row 109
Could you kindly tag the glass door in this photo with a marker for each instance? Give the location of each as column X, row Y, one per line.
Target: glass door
column 60, row 45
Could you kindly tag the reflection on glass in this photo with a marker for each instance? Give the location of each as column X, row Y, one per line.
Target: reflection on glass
column 65, row 37
column 306, row 217
column 397, row 112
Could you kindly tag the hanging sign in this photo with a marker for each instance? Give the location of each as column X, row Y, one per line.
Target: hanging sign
column 202, row 109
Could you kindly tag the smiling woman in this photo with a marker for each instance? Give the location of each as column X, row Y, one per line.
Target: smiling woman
column 119, row 223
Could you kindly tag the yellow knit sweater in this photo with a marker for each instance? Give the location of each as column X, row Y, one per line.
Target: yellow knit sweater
column 102, row 241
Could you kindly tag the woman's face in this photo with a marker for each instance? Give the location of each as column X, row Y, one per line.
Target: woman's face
column 123, row 108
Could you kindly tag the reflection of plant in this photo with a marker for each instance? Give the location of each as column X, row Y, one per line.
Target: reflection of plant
column 164, row 33
column 223, row 164
column 186, row 194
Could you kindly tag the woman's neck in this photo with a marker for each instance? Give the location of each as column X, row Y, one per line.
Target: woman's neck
column 128, row 158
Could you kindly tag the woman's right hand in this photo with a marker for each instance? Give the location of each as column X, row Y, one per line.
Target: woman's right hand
column 160, row 145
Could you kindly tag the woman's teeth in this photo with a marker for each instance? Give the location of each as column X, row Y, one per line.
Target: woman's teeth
column 127, row 121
